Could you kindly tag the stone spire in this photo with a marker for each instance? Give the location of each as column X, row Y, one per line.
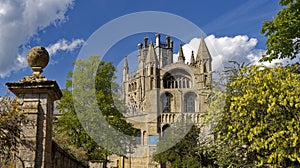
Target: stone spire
column 151, row 56
column 192, row 62
column 125, row 62
column 146, row 42
column 181, row 57
column 203, row 53
column 125, row 69
column 157, row 38
column 125, row 79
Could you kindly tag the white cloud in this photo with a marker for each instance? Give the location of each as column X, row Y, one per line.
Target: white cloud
column 240, row 48
column 20, row 20
column 64, row 45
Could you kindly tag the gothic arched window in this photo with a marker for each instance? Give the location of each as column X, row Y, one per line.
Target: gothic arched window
column 189, row 101
column 177, row 79
column 164, row 128
column 139, row 137
column 166, row 101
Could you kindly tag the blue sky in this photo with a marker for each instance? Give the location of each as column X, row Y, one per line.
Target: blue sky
column 63, row 26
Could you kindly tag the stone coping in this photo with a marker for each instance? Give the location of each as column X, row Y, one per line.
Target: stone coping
column 36, row 86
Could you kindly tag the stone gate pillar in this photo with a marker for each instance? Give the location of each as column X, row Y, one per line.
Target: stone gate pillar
column 36, row 95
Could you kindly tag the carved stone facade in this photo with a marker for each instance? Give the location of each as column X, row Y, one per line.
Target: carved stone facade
column 162, row 90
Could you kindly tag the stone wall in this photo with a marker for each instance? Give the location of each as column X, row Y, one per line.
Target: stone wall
column 36, row 95
column 61, row 159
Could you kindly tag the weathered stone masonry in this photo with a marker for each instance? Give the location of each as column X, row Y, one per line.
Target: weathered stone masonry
column 36, row 95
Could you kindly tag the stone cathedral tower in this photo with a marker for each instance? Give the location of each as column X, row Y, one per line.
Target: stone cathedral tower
column 162, row 90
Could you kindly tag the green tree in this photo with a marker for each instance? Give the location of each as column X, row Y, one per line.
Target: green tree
column 11, row 133
column 259, row 124
column 283, row 32
column 187, row 153
column 69, row 130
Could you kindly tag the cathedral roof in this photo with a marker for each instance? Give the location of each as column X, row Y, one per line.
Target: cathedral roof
column 125, row 62
column 151, row 56
column 203, row 52
column 181, row 57
column 192, row 62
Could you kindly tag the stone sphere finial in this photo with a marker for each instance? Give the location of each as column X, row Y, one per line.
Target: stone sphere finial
column 38, row 58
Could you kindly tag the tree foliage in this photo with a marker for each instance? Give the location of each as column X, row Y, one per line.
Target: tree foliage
column 259, row 124
column 283, row 32
column 69, row 130
column 11, row 119
column 187, row 153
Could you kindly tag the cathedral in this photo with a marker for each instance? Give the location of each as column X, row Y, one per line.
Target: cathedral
column 161, row 90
